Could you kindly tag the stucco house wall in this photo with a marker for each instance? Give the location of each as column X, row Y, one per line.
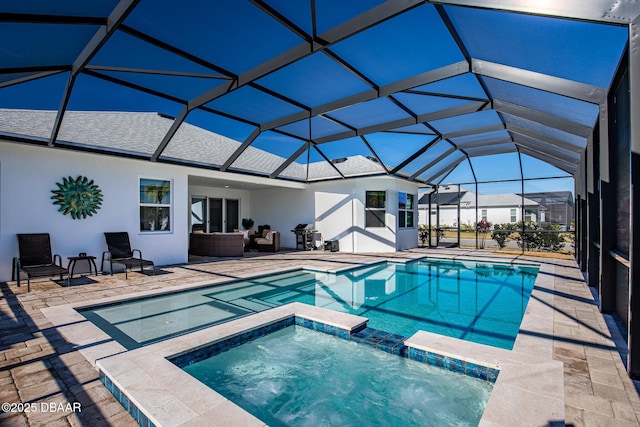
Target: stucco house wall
column 337, row 210
column 28, row 174
column 495, row 215
column 282, row 209
column 340, row 215
column 498, row 209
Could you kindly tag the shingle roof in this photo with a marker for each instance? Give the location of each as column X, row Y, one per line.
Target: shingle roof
column 448, row 198
column 469, row 198
column 138, row 132
column 508, row 199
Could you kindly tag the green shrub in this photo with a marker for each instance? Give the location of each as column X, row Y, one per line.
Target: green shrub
column 501, row 233
column 466, row 227
column 483, row 228
column 545, row 237
column 423, row 233
column 549, row 238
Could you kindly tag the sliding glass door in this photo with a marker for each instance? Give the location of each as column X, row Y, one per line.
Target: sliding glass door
column 198, row 214
column 232, row 214
column 213, row 214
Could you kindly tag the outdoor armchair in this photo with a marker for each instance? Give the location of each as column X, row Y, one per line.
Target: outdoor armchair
column 270, row 242
column 119, row 252
column 36, row 259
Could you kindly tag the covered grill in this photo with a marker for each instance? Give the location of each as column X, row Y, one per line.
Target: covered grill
column 306, row 237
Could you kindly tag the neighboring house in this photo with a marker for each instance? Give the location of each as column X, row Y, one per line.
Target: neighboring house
column 495, row 208
column 558, row 206
column 365, row 214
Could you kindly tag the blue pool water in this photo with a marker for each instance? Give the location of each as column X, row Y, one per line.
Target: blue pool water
column 475, row 301
column 300, row 377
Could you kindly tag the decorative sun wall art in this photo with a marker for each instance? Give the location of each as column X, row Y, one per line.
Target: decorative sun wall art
column 78, row 197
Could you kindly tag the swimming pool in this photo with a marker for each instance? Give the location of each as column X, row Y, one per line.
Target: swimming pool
column 298, row 376
column 476, row 301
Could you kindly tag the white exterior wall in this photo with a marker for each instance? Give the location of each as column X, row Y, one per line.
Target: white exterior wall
column 423, row 216
column 495, row 215
column 29, row 174
column 336, row 209
column 340, row 215
column 282, row 209
column 449, row 215
column 501, row 215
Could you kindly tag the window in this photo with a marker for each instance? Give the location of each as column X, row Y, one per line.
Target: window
column 375, row 211
column 514, row 216
column 483, row 214
column 528, row 215
column 405, row 210
column 155, row 205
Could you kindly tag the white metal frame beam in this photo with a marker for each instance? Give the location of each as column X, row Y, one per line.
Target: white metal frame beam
column 569, row 168
column 478, row 151
column 548, row 141
column 545, row 147
column 451, row 166
column 570, row 88
column 544, row 119
column 608, row 11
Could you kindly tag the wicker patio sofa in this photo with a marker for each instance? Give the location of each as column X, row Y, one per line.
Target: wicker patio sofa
column 216, row 244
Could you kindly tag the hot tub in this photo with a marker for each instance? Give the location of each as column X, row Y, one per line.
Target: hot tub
column 299, row 376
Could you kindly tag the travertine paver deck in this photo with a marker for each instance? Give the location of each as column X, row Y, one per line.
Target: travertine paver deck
column 40, row 368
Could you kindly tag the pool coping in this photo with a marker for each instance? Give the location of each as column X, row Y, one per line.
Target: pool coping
column 529, row 387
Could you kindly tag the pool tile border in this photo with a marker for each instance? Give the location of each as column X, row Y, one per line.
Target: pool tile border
column 380, row 340
column 121, row 396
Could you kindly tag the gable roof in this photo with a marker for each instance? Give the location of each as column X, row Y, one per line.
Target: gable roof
column 468, row 198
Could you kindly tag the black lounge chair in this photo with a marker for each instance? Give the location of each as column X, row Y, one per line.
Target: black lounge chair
column 36, row 259
column 120, row 252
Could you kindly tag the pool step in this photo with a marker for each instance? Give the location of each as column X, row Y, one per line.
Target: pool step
column 382, row 340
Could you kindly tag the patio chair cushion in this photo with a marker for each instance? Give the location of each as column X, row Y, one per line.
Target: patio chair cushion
column 44, row 270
